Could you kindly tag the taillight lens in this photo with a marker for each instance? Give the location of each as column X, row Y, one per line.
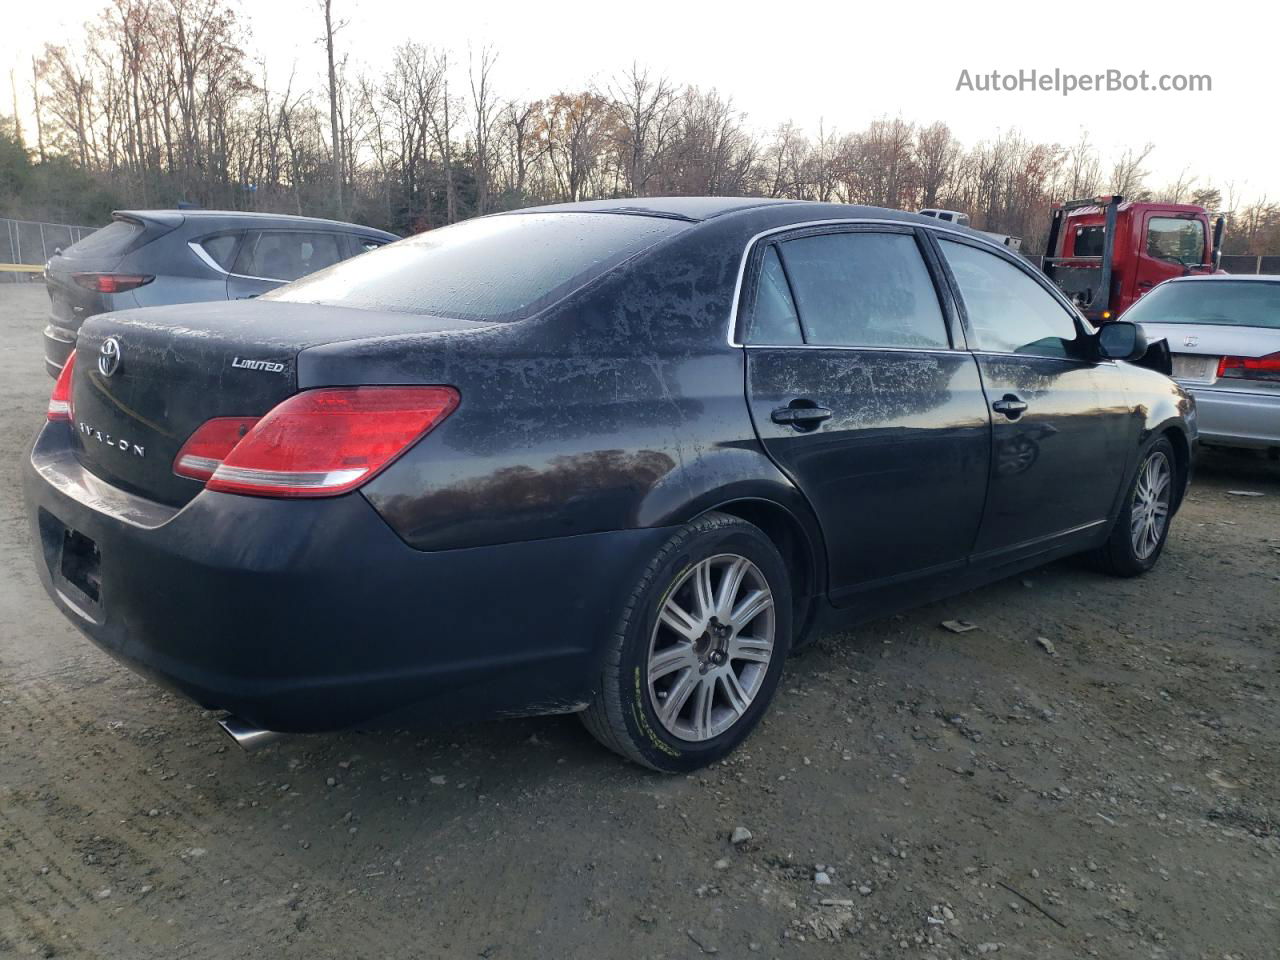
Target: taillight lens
column 1251, row 368
column 111, row 282
column 318, row 443
column 205, row 449
column 60, row 399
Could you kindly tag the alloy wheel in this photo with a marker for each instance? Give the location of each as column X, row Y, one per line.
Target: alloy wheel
column 711, row 647
column 1150, row 511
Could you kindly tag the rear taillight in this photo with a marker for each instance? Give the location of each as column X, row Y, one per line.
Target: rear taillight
column 318, row 443
column 1251, row 368
column 111, row 282
column 205, row 449
column 60, row 399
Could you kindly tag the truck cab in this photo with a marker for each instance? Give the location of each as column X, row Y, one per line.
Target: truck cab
column 1105, row 253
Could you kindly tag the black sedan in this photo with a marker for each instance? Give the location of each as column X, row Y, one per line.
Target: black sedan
column 615, row 458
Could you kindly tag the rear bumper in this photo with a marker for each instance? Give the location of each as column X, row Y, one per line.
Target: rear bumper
column 1236, row 417
column 313, row 615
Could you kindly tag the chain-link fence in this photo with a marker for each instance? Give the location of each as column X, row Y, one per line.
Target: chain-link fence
column 30, row 243
column 1243, row 264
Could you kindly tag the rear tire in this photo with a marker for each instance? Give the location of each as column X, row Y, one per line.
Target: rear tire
column 699, row 649
column 1141, row 529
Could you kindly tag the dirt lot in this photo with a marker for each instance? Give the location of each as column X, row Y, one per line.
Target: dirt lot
column 965, row 794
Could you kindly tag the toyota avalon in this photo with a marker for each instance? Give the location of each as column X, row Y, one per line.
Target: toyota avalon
column 615, row 458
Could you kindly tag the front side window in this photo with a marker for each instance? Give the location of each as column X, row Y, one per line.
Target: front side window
column 287, row 254
column 1008, row 311
column 773, row 315
column 864, row 290
column 1176, row 240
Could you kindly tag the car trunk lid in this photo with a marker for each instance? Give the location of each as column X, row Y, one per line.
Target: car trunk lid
column 1198, row 349
column 146, row 380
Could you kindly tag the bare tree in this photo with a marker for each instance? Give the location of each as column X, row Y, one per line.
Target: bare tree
column 485, row 111
column 1128, row 176
column 329, row 31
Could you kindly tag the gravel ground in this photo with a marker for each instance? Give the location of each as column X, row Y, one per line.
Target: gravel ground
column 1108, row 791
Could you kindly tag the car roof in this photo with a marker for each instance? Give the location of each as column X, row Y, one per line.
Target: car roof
column 247, row 217
column 677, row 208
column 701, row 209
column 1201, row 277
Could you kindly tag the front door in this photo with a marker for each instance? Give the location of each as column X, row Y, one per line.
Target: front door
column 1062, row 427
column 858, row 395
column 1169, row 245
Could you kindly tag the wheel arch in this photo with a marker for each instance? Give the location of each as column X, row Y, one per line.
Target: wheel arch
column 801, row 548
column 1181, row 444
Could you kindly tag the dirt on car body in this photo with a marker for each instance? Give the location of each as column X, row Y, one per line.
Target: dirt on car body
column 1091, row 771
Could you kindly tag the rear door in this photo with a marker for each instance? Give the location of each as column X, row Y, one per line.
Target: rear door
column 860, row 395
column 269, row 258
column 1063, row 429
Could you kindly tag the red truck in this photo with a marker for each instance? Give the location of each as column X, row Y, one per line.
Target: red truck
column 1105, row 252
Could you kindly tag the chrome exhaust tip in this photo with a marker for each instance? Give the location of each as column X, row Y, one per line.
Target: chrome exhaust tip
column 247, row 736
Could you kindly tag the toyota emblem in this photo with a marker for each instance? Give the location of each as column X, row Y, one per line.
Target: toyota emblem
column 109, row 357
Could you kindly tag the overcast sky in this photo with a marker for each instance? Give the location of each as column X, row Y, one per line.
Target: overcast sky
column 842, row 64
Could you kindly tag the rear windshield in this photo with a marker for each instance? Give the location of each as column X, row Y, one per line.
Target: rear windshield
column 1242, row 303
column 113, row 239
column 492, row 268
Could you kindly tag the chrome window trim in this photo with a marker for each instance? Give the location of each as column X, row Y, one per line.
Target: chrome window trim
column 857, row 349
column 198, row 249
column 939, row 227
column 208, row 261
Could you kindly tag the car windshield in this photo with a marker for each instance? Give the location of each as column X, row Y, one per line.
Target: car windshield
column 493, row 268
column 1240, row 303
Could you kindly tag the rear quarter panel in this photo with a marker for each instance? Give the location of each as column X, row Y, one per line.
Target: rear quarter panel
column 622, row 407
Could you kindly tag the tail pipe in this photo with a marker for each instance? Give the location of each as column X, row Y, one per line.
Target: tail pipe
column 247, row 736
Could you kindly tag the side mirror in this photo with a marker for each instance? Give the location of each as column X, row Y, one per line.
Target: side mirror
column 1121, row 340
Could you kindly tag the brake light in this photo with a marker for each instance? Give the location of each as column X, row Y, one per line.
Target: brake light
column 322, row 442
column 205, row 449
column 60, row 399
column 1251, row 368
column 111, row 282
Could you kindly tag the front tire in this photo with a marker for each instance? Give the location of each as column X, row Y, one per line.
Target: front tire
column 1140, row 532
column 699, row 649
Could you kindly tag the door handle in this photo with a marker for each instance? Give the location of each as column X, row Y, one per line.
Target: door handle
column 1010, row 406
column 804, row 417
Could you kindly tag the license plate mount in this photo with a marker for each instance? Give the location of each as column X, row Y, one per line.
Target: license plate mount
column 81, row 564
column 1195, row 367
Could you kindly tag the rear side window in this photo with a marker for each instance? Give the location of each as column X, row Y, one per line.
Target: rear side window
column 496, row 268
column 773, row 315
column 365, row 244
column 1008, row 311
column 864, row 290
column 1090, row 241
column 221, row 248
column 287, row 254
column 114, row 239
